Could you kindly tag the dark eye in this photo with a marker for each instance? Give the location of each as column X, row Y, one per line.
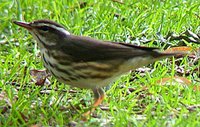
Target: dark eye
column 44, row 28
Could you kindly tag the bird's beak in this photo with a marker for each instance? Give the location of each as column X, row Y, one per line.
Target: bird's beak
column 23, row 24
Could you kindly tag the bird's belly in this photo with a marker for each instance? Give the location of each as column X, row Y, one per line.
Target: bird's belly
column 90, row 74
column 123, row 69
column 83, row 74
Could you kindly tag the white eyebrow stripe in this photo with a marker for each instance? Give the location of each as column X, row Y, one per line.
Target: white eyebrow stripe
column 56, row 27
column 60, row 29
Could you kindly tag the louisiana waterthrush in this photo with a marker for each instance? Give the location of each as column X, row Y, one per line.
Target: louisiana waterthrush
column 85, row 62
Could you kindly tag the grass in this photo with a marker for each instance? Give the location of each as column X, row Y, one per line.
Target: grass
column 148, row 104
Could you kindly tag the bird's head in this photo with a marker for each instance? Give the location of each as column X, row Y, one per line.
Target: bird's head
column 46, row 32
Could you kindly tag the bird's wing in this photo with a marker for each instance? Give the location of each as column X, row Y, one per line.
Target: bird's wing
column 89, row 49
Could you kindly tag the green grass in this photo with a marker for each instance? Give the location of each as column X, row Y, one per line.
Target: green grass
column 157, row 105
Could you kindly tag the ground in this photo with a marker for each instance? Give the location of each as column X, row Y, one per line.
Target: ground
column 145, row 97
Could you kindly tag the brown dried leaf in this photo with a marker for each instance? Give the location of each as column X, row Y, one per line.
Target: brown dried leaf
column 3, row 97
column 184, row 49
column 118, row 1
column 35, row 125
column 180, row 80
column 196, row 88
column 179, row 49
column 6, row 101
column 40, row 77
column 24, row 117
column 176, row 79
column 83, row 4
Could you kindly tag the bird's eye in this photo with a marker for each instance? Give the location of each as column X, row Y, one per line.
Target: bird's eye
column 44, row 28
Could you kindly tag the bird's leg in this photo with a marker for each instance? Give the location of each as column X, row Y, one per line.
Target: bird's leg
column 98, row 98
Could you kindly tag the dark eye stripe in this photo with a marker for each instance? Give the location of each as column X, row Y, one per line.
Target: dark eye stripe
column 43, row 28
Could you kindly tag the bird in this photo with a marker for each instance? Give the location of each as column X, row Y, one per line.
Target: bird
column 85, row 62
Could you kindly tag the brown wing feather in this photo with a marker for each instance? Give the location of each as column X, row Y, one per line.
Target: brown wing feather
column 89, row 49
